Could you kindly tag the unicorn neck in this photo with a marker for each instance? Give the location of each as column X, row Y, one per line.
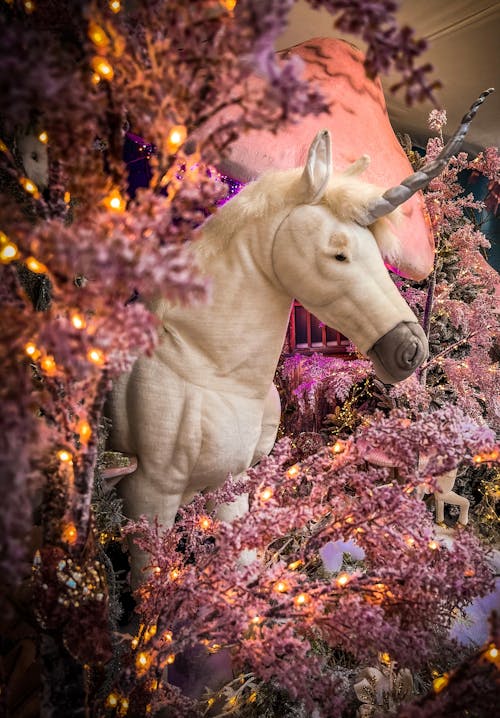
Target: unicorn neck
column 232, row 343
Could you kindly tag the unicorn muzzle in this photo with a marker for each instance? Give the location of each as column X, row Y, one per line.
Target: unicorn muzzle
column 398, row 353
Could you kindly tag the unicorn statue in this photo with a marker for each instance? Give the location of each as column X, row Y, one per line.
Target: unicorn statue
column 204, row 404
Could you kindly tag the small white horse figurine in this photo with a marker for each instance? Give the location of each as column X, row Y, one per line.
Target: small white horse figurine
column 204, row 405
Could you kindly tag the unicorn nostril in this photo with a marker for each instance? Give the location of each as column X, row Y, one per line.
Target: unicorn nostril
column 410, row 353
column 398, row 353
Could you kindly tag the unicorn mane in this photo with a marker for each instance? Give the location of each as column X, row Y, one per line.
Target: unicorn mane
column 346, row 196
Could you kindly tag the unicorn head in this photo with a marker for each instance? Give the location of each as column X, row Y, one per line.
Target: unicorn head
column 329, row 252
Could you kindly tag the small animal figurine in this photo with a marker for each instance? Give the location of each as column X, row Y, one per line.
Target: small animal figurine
column 204, row 405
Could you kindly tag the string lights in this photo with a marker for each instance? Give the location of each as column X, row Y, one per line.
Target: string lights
column 102, row 67
column 29, row 186
column 175, row 138
column 114, row 201
column 35, row 266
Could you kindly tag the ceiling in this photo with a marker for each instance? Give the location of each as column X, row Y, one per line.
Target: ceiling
column 464, row 48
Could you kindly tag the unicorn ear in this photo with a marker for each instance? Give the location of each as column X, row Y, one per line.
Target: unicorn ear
column 318, row 167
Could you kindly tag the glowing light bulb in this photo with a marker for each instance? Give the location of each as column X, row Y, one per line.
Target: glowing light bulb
column 96, row 356
column 112, row 700
column 439, row 683
column 9, row 252
column 281, row 587
column 30, row 349
column 338, row 447
column 143, row 660
column 43, row 137
column 205, row 523
column 410, row 541
column 35, row 266
column 3, row 146
column 29, row 6
column 65, row 456
column 170, row 658
column 228, row 4
column 492, row 654
column 69, row 534
column 174, row 574
column 124, row 706
column 49, row 365
column 343, row 579
column 114, row 201
column 293, row 470
column 115, row 6
column 175, row 138
column 167, row 636
column 433, row 545
column 301, row 599
column 78, row 321
column 67, row 197
column 29, row 186
column 95, row 78
column 252, row 697
column 266, row 494
column 97, row 34
column 295, row 565
column 256, row 620
column 385, row 658
column 102, row 67
column 84, row 431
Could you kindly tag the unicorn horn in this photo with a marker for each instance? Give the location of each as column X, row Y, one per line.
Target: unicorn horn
column 395, row 196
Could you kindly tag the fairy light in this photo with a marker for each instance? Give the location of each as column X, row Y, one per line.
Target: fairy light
column 31, row 350
column 49, row 365
column 8, row 252
column 410, row 541
column 301, row 599
column 252, row 697
column 204, row 523
column 97, row 34
column 65, row 456
column 385, row 658
column 69, row 534
column 492, row 654
column 95, row 78
column 84, row 431
column 67, row 197
column 102, row 67
column 167, row 636
column 293, row 471
column 3, row 146
column 281, row 587
column 143, row 660
column 114, row 201
column 256, row 620
column 266, row 494
column 29, row 186
column 440, row 682
column 433, row 545
column 342, row 579
column 29, row 6
column 78, row 321
column 338, row 447
column 35, row 266
column 124, row 705
column 228, row 4
column 295, row 565
column 170, row 658
column 175, row 138
column 115, row 6
column 43, row 137
column 174, row 574
column 96, row 356
column 112, row 700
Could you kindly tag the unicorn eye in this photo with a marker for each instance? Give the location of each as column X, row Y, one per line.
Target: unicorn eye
column 340, row 257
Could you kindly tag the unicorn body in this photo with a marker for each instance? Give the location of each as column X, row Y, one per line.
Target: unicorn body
column 204, row 405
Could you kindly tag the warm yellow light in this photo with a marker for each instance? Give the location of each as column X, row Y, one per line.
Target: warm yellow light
column 492, row 654
column 170, row 658
column 115, row 5
column 29, row 186
column 49, row 365
column 112, row 700
column 440, row 682
column 67, row 197
column 228, row 4
column 256, row 620
column 167, row 636
column 43, row 137
column 143, row 660
column 8, row 253
column 409, row 541
column 176, row 136
column 252, row 697
column 78, row 321
column 31, row 349
column 124, row 706
column 97, row 34
column 281, row 587
column 114, row 201
column 338, row 447
column 205, row 523
column 96, row 356
column 266, row 494
column 95, row 78
column 36, row 266
column 343, row 579
column 102, row 67
column 174, row 574
column 29, row 6
column 84, row 431
column 3, row 146
column 65, row 456
column 295, row 565
column 385, row 658
column 301, row 599
column 433, row 545
column 69, row 534
column 293, row 470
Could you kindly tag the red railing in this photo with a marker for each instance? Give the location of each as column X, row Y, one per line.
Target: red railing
column 307, row 334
